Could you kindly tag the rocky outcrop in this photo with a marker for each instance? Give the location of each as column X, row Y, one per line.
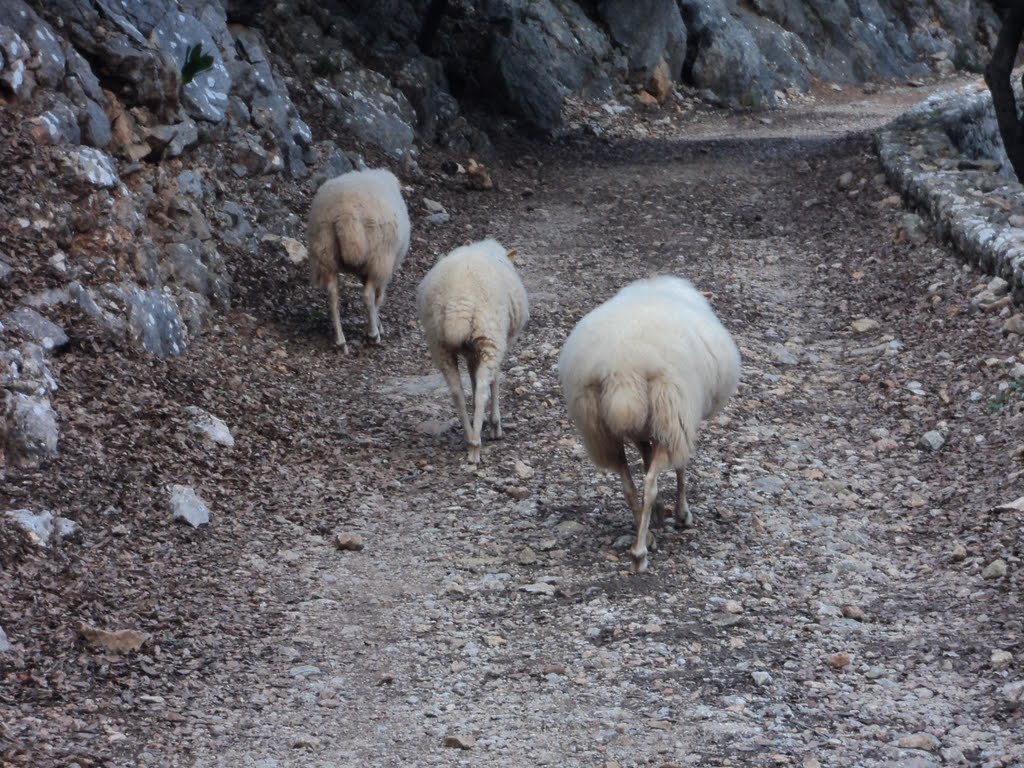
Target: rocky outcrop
column 947, row 159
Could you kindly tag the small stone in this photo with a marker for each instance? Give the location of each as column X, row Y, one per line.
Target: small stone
column 349, row 542
column 518, row 492
column 959, row 553
column 539, row 588
column 296, row 251
column 211, row 427
column 781, row 354
column 1013, row 693
column 527, row 556
column 660, row 83
column 925, row 741
column 523, row 471
column 761, row 677
column 998, row 286
column 477, row 176
column 733, row 606
column 995, row 570
column 5, row 644
column 863, row 325
column 304, row 671
column 811, row 762
column 433, row 206
column 932, row 440
column 188, row 507
column 853, row 612
column 42, row 526
column 570, row 526
column 845, row 181
column 1014, row 324
column 839, row 660
column 914, row 228
column 1001, row 659
column 647, row 99
column 553, row 669
column 459, row 742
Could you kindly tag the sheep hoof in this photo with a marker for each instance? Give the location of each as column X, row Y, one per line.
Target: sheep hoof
column 375, row 339
column 496, row 432
column 652, row 543
column 474, row 454
column 639, row 562
column 342, row 346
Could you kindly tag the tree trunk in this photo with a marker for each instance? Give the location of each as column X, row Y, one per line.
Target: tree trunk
column 997, row 77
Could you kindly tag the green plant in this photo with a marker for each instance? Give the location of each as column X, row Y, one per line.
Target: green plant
column 195, row 62
column 1013, row 392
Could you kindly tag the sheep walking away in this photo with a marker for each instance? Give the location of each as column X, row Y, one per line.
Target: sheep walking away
column 359, row 225
column 647, row 367
column 473, row 305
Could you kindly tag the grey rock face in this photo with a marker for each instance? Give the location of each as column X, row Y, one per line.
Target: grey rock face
column 206, row 96
column 14, row 54
column 32, row 325
column 59, row 125
column 31, row 430
column 371, row 109
column 41, row 527
column 648, row 31
column 93, row 166
column 548, row 52
column 5, row 644
column 154, row 322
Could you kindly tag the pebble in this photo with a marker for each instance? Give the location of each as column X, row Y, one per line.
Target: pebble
column 863, row 325
column 853, row 612
column 524, row 471
column 845, row 181
column 959, row 553
column 527, row 556
column 1001, row 659
column 995, row 570
column 1014, row 324
column 761, row 677
column 459, row 742
column 188, row 507
column 1013, row 693
column 839, row 660
column 5, row 644
column 349, row 542
column 921, row 740
column 932, row 440
column 733, row 606
column 211, row 427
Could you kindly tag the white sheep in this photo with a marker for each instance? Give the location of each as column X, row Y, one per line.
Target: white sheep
column 648, row 366
column 358, row 224
column 472, row 304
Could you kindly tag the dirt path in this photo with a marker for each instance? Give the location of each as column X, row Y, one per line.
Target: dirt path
column 815, row 616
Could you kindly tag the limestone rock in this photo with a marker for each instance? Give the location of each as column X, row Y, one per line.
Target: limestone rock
column 32, row 325
column 186, row 506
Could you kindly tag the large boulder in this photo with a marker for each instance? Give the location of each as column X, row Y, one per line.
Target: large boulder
column 648, row 31
column 544, row 51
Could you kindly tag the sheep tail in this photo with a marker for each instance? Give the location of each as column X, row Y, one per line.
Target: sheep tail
column 623, row 404
column 334, row 244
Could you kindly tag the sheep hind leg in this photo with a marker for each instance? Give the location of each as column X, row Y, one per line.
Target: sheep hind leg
column 628, row 486
column 658, row 513
column 659, row 461
column 496, row 432
column 450, row 370
column 373, row 323
column 378, row 299
column 482, row 383
column 682, row 511
column 335, row 301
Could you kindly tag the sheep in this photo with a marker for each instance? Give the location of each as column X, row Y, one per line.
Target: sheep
column 472, row 303
column 358, row 224
column 648, row 366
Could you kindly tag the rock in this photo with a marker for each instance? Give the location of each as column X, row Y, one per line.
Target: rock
column 296, row 251
column 925, row 741
column 853, row 612
column 14, row 53
column 733, row 606
column 459, row 742
column 31, row 430
column 931, row 440
column 211, row 427
column 646, row 99
column 172, row 140
column 839, row 660
column 959, row 553
column 41, row 527
column 372, row 109
column 998, row 287
column 32, row 325
column 187, row 506
column 5, row 270
column 527, row 556
column 349, row 542
column 477, row 176
column 1012, row 506
column 523, row 470
column 121, row 641
column 845, row 180
column 570, row 526
column 1013, row 693
column 761, row 677
column 437, row 218
column 782, row 355
column 914, row 228
column 995, row 570
column 93, row 166
column 1001, row 659
column 543, row 51
column 1014, row 324
column 864, row 325
column 96, row 131
column 154, row 320
column 651, row 32
column 205, row 96
column 539, row 588
column 432, row 206
column 660, row 83
column 58, row 125
column 5, row 644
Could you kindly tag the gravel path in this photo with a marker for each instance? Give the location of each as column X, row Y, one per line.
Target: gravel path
column 834, row 606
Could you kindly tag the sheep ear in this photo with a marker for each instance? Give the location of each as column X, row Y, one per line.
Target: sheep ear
column 512, row 255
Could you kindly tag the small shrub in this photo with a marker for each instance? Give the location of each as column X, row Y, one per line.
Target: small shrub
column 195, row 62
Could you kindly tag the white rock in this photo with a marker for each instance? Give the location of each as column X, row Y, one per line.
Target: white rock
column 932, row 440
column 40, row 527
column 188, row 507
column 863, row 325
column 1013, row 693
column 761, row 677
column 295, row 250
column 523, row 471
column 1001, row 659
column 998, row 286
column 433, row 206
column 211, row 427
column 5, row 644
column 995, row 570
